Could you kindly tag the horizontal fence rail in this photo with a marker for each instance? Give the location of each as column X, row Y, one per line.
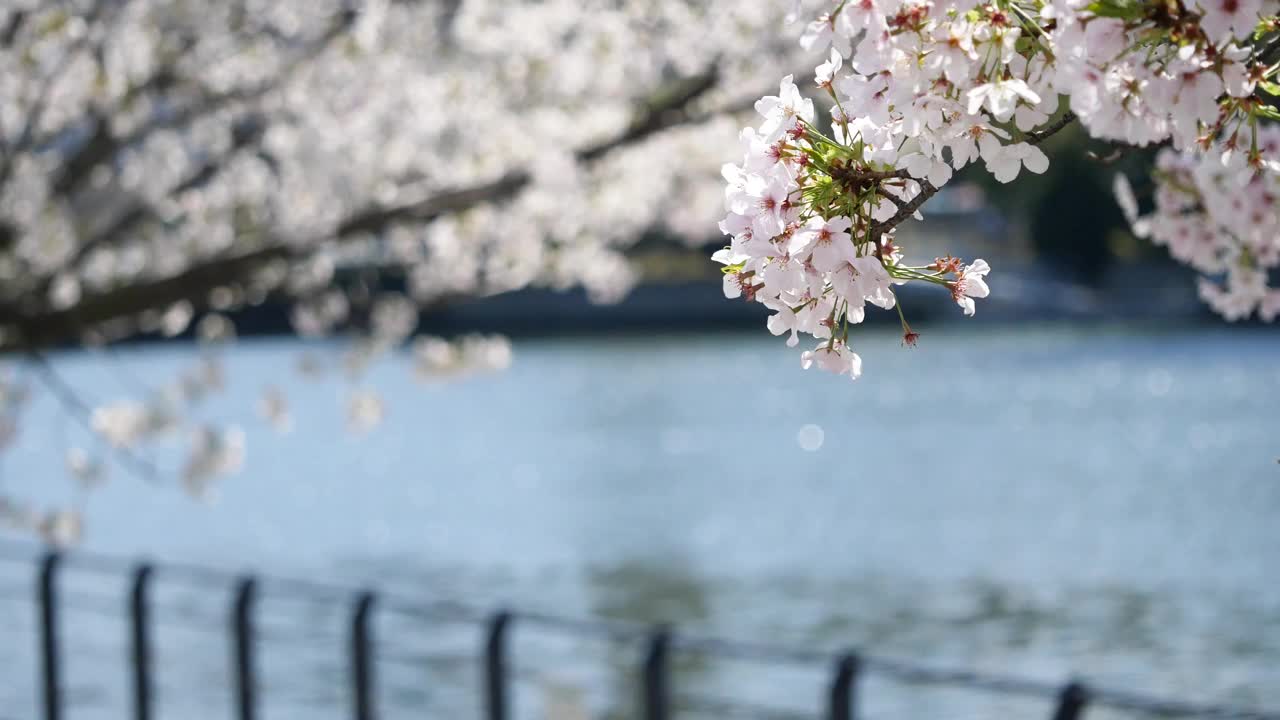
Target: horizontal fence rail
column 656, row 700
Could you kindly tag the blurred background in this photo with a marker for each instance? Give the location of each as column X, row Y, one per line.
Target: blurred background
column 246, row 247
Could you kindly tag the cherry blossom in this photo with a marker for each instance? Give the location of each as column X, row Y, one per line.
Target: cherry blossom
column 835, row 357
column 971, row 284
column 916, row 91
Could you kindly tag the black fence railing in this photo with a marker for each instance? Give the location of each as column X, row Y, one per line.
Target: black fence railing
column 1067, row 701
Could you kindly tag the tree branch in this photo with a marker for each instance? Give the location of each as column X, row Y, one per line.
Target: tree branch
column 894, row 199
column 75, row 405
column 377, row 219
column 49, row 328
column 1051, row 129
column 662, row 112
column 12, row 28
column 1271, row 53
column 905, row 210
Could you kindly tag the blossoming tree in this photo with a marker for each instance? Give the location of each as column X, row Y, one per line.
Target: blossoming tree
column 918, row 89
column 163, row 161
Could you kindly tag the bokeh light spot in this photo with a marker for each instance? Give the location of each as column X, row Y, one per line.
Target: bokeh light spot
column 810, row 438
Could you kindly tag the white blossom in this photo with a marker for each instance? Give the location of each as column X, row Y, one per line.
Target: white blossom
column 365, row 411
column 213, row 453
column 971, row 284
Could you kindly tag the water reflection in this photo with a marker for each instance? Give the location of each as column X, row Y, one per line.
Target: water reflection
column 653, row 590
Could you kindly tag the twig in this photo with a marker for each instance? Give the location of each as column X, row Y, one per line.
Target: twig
column 76, row 406
column 10, row 32
column 897, row 202
column 1271, row 52
column 1050, row 130
column 905, row 210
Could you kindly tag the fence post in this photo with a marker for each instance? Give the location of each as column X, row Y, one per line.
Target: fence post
column 1071, row 702
column 656, row 699
column 497, row 701
column 139, row 614
column 242, row 636
column 844, row 697
column 362, row 677
column 50, row 662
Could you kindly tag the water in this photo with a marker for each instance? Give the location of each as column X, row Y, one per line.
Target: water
column 1092, row 501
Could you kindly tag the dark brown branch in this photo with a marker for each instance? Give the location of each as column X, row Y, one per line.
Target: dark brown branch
column 662, row 112
column 1271, row 53
column 1053, row 128
column 377, row 219
column 858, row 179
column 12, row 28
column 905, row 210
column 897, row 202
column 119, row 228
column 51, row 328
column 96, row 149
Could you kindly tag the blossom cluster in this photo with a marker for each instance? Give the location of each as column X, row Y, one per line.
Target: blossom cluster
column 919, row 89
column 1199, row 78
column 1221, row 219
column 807, row 217
column 1149, row 72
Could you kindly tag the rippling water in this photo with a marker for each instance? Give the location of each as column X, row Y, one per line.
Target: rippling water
column 1091, row 501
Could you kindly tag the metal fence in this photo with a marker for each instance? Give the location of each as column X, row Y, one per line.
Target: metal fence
column 1066, row 701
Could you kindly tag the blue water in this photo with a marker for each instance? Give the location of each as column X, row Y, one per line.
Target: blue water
column 1099, row 501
